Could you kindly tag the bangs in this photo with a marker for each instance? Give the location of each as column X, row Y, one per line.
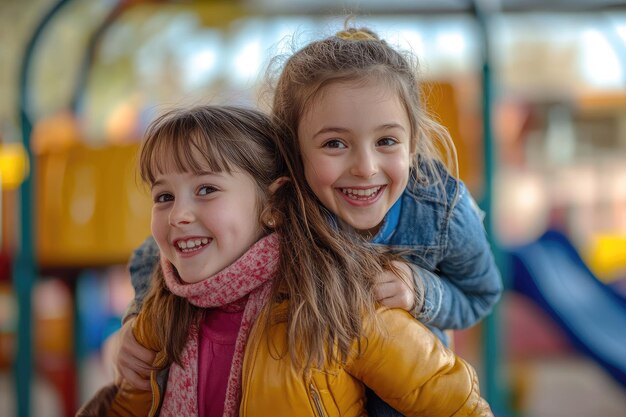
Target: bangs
column 181, row 145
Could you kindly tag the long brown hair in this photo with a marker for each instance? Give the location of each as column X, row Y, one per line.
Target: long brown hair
column 329, row 281
column 359, row 56
column 227, row 139
column 326, row 275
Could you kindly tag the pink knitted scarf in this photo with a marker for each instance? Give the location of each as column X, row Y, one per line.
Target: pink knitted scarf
column 251, row 276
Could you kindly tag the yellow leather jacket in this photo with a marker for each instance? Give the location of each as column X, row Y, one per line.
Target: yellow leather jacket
column 401, row 360
column 130, row 401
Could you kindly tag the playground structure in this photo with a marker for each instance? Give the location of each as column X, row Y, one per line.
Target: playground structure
column 551, row 272
column 83, row 176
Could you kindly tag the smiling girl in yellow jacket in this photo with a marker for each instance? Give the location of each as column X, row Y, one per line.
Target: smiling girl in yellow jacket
column 235, row 236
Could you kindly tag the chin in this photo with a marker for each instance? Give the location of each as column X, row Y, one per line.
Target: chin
column 186, row 280
column 365, row 227
column 190, row 278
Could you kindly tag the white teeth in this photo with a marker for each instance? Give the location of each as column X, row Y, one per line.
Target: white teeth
column 192, row 243
column 354, row 193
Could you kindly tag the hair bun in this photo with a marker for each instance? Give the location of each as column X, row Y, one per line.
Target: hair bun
column 357, row 35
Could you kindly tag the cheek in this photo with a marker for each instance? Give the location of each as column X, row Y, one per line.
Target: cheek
column 321, row 172
column 307, row 162
column 154, row 222
column 319, row 178
column 312, row 159
column 400, row 169
column 242, row 217
column 158, row 227
column 310, row 174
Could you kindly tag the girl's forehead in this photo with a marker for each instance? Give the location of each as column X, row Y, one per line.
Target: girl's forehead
column 384, row 86
column 176, row 160
column 352, row 91
column 193, row 162
column 189, row 157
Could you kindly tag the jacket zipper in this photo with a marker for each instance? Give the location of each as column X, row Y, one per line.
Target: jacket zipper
column 248, row 363
column 156, row 394
column 317, row 401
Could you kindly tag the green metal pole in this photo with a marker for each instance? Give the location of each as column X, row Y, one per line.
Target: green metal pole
column 83, row 75
column 494, row 389
column 24, row 263
column 491, row 326
column 76, row 104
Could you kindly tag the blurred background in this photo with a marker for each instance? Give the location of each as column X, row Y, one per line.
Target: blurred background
column 533, row 93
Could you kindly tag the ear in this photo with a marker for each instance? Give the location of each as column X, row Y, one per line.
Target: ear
column 277, row 184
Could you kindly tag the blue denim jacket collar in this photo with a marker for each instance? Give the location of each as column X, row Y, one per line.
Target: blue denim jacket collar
column 390, row 223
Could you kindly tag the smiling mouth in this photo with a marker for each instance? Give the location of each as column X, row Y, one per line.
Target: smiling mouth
column 192, row 245
column 362, row 194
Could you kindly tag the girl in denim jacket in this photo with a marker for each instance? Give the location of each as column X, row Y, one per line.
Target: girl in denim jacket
column 350, row 105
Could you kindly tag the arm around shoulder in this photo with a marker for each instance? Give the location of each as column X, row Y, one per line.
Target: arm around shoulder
column 469, row 283
column 141, row 265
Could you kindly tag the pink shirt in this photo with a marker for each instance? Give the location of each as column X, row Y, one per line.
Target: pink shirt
column 216, row 347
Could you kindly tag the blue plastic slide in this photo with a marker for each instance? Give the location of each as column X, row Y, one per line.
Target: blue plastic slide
column 552, row 273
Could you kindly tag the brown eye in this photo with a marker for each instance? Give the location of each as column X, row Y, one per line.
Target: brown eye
column 206, row 190
column 163, row 198
column 389, row 141
column 334, row 144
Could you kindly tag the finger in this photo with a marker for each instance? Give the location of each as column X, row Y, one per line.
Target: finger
column 136, row 380
column 395, row 295
column 380, row 292
column 143, row 356
column 137, row 352
column 387, row 289
column 136, row 366
column 391, row 302
column 385, row 277
column 405, row 271
column 397, row 301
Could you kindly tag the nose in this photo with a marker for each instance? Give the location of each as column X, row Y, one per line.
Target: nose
column 181, row 214
column 364, row 164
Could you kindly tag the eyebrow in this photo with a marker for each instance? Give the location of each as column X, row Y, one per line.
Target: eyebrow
column 392, row 125
column 200, row 173
column 330, row 129
column 334, row 129
column 209, row 173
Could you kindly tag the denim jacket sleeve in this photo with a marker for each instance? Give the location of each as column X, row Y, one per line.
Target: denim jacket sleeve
column 467, row 283
column 141, row 264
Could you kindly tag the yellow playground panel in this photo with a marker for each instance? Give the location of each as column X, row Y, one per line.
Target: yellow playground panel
column 92, row 208
column 606, row 256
